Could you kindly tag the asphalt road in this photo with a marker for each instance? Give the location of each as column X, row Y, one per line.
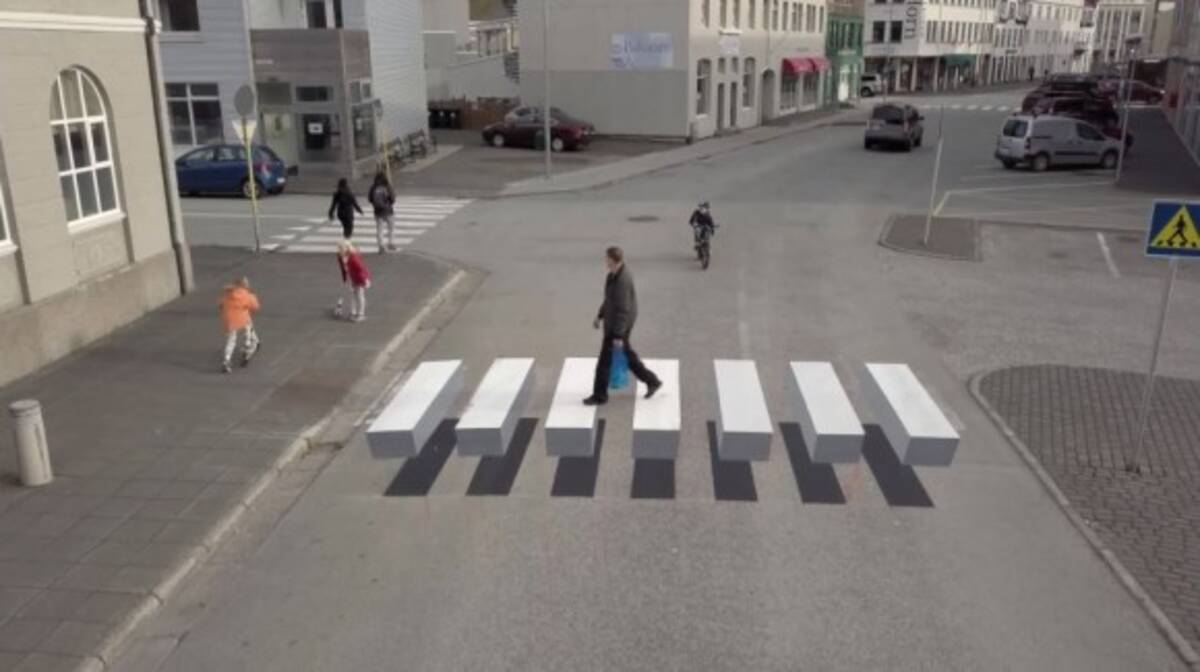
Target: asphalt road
column 988, row 574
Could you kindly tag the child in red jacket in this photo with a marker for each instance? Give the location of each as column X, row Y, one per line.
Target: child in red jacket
column 354, row 271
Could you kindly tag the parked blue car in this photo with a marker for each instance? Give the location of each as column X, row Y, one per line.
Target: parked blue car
column 221, row 169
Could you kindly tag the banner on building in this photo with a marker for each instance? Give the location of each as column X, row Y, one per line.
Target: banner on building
column 642, row 51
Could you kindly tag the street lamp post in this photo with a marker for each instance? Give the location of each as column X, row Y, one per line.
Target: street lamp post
column 1127, row 87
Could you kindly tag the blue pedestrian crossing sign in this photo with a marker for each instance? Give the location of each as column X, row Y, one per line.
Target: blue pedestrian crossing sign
column 1173, row 231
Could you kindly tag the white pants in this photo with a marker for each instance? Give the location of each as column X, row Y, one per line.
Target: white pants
column 388, row 222
column 358, row 301
column 249, row 345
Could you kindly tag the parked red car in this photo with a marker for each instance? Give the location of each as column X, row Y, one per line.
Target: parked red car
column 523, row 128
column 1140, row 93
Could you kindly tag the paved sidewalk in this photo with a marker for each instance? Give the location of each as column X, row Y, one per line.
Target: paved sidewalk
column 1158, row 162
column 155, row 452
column 1078, row 422
column 599, row 176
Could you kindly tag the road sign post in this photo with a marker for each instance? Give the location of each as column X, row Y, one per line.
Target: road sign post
column 245, row 102
column 387, row 160
column 1172, row 234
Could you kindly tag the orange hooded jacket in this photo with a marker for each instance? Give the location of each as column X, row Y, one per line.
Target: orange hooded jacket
column 237, row 305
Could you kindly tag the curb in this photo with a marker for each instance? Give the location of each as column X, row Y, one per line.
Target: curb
column 831, row 120
column 1131, row 584
column 113, row 643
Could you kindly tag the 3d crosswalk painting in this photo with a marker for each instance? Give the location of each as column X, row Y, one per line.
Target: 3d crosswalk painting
column 421, row 423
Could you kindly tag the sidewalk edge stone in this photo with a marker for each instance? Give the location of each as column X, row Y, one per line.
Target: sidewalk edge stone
column 1131, row 584
column 115, row 642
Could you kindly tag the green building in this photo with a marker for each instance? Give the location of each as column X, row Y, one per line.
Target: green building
column 844, row 49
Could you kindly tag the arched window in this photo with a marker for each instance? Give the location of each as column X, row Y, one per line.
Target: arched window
column 703, row 83
column 83, row 148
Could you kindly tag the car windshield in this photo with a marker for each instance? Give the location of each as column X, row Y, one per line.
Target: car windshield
column 889, row 113
column 1016, row 128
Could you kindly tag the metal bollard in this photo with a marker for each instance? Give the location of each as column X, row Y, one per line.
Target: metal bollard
column 33, row 453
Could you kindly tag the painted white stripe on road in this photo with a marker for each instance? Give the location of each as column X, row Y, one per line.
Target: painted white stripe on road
column 490, row 419
column 414, row 413
column 916, row 428
column 972, row 107
column 656, row 421
column 1108, row 258
column 357, row 239
column 832, row 431
column 571, row 425
column 744, row 428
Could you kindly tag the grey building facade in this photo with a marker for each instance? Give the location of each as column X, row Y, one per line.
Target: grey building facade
column 90, row 236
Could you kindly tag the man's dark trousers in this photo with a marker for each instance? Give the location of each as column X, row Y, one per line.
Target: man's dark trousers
column 604, row 366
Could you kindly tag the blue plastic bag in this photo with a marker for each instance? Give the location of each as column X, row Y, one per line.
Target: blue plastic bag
column 618, row 377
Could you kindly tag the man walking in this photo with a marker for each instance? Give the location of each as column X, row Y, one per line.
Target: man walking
column 617, row 314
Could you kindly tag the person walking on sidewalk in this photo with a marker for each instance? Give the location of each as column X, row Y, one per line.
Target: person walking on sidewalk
column 617, row 315
column 344, row 205
column 383, row 200
column 354, row 271
column 238, row 305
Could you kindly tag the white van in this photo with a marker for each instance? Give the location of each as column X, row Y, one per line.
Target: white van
column 869, row 85
column 1042, row 142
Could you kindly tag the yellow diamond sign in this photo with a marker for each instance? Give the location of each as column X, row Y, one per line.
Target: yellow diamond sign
column 1173, row 230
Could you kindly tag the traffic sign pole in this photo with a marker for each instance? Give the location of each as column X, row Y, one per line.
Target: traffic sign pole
column 247, row 137
column 1133, row 461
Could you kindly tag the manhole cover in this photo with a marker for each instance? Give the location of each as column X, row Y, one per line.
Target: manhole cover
column 643, row 218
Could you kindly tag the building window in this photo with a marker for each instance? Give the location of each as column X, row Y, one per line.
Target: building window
column 748, row 83
column 703, row 86
column 878, row 31
column 82, row 146
column 195, row 111
column 821, row 19
column 789, row 87
column 774, row 14
column 897, row 31
column 737, row 13
column 314, row 94
column 723, row 13
column 753, row 15
column 179, row 15
column 929, row 28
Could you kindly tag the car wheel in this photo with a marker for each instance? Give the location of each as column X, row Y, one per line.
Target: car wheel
column 498, row 140
column 1040, row 163
column 1009, row 165
column 248, row 191
column 866, row 92
column 557, row 145
column 867, row 144
column 908, row 145
column 1109, row 160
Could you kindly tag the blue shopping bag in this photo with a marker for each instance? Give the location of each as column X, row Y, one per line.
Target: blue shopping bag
column 618, row 377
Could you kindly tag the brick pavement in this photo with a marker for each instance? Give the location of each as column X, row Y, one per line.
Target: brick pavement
column 153, row 448
column 1077, row 422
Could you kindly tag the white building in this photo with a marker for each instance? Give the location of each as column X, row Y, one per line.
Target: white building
column 675, row 68
column 335, row 78
column 940, row 44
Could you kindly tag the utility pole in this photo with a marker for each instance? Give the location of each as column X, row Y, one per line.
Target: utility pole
column 547, row 141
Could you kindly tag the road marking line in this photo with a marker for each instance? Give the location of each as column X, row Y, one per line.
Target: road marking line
column 972, row 107
column 1108, row 259
column 240, row 215
column 986, row 108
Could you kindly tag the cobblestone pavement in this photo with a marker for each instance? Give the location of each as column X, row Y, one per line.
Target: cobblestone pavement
column 1077, row 421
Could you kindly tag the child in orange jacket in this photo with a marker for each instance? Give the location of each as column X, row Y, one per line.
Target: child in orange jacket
column 238, row 304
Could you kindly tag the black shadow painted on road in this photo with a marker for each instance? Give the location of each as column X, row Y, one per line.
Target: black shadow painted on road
column 576, row 476
column 818, row 483
column 495, row 475
column 653, row 479
column 733, row 481
column 898, row 482
column 416, row 477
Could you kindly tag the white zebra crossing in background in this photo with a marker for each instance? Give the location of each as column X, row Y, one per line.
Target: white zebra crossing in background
column 916, row 428
column 970, row 108
column 414, row 215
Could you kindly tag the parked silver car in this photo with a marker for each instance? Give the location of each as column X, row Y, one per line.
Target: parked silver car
column 1043, row 142
column 894, row 124
column 870, row 84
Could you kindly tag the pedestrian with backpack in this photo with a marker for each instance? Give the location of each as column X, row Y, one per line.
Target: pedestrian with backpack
column 355, row 273
column 344, row 205
column 383, row 200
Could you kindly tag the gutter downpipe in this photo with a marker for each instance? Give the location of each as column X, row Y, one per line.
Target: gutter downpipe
column 183, row 254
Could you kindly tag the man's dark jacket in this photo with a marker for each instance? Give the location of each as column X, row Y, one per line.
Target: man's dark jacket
column 619, row 310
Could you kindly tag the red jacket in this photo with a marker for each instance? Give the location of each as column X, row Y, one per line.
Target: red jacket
column 355, row 270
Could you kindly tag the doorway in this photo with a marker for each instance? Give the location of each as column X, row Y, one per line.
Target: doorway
column 720, row 107
column 279, row 133
column 733, row 105
column 767, row 109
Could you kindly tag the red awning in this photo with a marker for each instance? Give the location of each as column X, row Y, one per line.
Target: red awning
column 796, row 66
column 820, row 64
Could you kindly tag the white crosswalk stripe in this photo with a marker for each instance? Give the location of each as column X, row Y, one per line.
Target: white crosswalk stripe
column 414, row 215
column 969, row 108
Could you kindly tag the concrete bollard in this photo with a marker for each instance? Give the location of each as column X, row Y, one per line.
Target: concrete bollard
column 30, row 433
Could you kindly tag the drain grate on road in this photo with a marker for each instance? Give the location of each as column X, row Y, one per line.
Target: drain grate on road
column 950, row 237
